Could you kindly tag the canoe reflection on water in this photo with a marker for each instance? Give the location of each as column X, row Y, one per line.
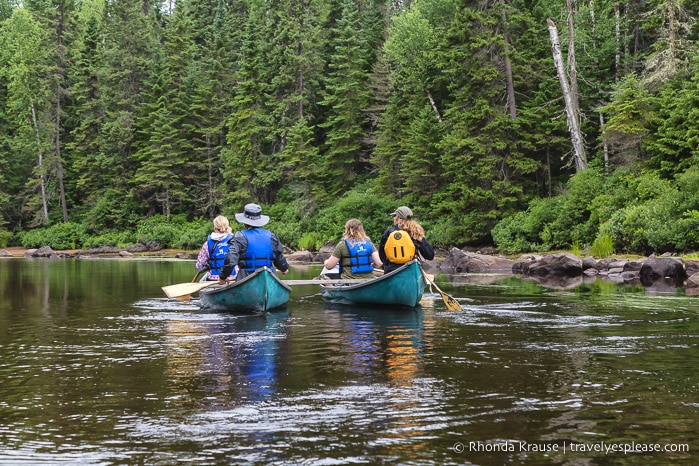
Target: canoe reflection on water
column 379, row 341
column 226, row 355
column 379, row 348
column 247, row 357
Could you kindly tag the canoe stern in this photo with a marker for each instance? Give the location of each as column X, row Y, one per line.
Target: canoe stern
column 259, row 292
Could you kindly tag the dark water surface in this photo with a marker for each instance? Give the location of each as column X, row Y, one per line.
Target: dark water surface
column 98, row 367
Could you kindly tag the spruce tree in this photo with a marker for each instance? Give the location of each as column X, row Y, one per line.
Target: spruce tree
column 128, row 48
column 484, row 159
column 24, row 59
column 345, row 98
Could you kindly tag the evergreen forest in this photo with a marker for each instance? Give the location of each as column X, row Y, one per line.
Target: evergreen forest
column 529, row 125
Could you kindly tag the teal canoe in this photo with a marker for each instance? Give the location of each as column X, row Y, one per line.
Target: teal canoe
column 260, row 291
column 403, row 287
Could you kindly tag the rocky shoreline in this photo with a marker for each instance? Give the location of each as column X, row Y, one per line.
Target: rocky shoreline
column 566, row 270
column 555, row 270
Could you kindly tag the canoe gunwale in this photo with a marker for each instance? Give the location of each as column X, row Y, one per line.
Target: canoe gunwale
column 373, row 281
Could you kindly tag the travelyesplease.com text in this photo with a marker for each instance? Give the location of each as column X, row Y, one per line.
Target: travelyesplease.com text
column 569, row 447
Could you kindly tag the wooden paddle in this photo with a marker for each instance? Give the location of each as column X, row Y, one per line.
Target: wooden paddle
column 452, row 304
column 182, row 289
column 188, row 296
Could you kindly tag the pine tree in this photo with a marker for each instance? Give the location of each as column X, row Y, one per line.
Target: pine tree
column 294, row 89
column 673, row 144
column 86, row 114
column 249, row 156
column 24, row 57
column 208, row 85
column 346, row 96
column 128, row 48
column 408, row 133
column 483, row 155
column 628, row 117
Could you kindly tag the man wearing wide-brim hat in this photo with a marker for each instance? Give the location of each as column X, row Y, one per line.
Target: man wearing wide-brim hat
column 254, row 247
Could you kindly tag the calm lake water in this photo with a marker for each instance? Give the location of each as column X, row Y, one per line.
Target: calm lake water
column 98, row 367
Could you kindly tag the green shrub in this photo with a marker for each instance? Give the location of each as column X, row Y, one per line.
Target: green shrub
column 5, row 237
column 158, row 229
column 192, row 234
column 529, row 230
column 603, row 246
column 572, row 222
column 287, row 221
column 637, row 212
column 310, row 241
column 112, row 238
column 650, row 227
column 509, row 235
column 60, row 236
column 614, row 228
column 372, row 209
column 437, row 232
column 651, row 186
column 175, row 233
column 688, row 231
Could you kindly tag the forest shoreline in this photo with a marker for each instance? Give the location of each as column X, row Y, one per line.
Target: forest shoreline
column 557, row 270
column 21, row 251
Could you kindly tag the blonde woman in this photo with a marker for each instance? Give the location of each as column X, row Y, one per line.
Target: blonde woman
column 356, row 254
column 417, row 243
column 214, row 250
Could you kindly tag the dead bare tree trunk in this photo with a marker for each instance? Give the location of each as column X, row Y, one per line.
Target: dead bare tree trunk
column 605, row 147
column 617, row 35
column 59, row 94
column 40, row 164
column 511, row 102
column 571, row 101
column 434, row 106
column 572, row 63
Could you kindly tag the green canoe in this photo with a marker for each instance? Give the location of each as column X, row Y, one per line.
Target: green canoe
column 401, row 288
column 259, row 292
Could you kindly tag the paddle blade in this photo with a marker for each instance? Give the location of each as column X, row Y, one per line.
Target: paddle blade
column 452, row 304
column 182, row 289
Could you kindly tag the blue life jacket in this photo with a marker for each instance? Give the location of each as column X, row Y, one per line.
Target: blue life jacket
column 360, row 256
column 259, row 252
column 218, row 250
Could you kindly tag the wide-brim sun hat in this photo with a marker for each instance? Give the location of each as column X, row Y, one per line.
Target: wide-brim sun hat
column 252, row 215
column 403, row 212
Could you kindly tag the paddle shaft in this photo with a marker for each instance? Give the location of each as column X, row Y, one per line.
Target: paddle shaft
column 452, row 304
column 429, row 276
column 338, row 281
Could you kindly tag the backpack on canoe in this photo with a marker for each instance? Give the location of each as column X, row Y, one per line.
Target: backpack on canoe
column 399, row 247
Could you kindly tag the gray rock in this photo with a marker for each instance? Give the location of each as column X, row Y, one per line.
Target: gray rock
column 562, row 264
column 461, row 261
column 662, row 267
